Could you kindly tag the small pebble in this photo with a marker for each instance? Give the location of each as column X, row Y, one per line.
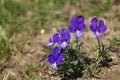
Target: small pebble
column 42, row 31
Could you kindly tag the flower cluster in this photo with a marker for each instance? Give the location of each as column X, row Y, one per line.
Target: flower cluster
column 62, row 39
column 76, row 27
column 55, row 58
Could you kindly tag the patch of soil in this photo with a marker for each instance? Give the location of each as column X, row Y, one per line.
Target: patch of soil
column 18, row 64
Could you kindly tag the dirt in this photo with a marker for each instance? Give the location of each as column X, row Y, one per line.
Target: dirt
column 33, row 51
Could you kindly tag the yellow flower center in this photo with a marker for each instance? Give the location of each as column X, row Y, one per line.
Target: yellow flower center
column 97, row 33
column 54, row 66
column 64, row 43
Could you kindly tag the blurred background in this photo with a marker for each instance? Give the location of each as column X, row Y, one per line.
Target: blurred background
column 19, row 19
column 29, row 15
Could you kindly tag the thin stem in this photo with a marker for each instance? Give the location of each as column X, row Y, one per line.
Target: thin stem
column 99, row 46
column 76, row 41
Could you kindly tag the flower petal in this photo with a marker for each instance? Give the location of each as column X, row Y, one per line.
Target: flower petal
column 50, row 44
column 93, row 27
column 54, row 66
column 78, row 35
column 56, row 50
column 64, row 45
column 51, row 40
column 73, row 21
column 65, row 34
column 94, row 20
column 51, row 58
column 81, row 27
column 98, row 35
column 80, row 19
column 72, row 26
column 102, row 29
column 64, row 31
column 59, row 59
column 57, row 38
column 101, row 23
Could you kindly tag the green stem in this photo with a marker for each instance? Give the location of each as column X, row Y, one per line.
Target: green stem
column 99, row 48
column 76, row 41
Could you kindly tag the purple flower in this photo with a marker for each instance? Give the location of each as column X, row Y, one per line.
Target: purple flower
column 53, row 40
column 55, row 58
column 64, row 38
column 97, row 27
column 77, row 26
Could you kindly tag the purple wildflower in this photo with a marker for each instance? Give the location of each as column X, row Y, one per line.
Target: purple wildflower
column 53, row 40
column 55, row 58
column 77, row 26
column 64, row 38
column 97, row 27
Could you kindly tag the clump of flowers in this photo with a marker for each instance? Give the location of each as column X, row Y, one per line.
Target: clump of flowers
column 98, row 28
column 62, row 39
column 68, row 57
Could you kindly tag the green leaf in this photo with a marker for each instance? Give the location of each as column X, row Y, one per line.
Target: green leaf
column 75, row 62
